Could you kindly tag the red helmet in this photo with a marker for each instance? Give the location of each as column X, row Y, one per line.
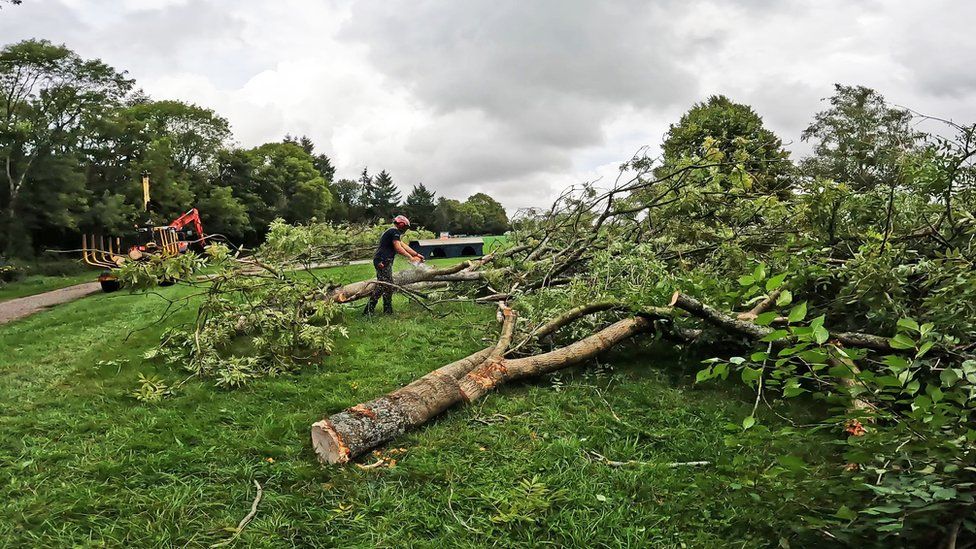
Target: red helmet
column 401, row 220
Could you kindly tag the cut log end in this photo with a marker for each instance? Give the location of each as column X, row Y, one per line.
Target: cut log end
column 674, row 298
column 328, row 444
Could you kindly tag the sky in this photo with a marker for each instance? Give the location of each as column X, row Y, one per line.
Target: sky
column 515, row 98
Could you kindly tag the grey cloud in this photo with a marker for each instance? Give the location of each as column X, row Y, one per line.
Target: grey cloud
column 545, row 75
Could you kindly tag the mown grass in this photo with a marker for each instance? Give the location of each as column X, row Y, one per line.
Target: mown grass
column 82, row 463
column 37, row 284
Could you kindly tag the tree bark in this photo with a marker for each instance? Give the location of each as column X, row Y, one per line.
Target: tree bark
column 358, row 429
column 760, row 307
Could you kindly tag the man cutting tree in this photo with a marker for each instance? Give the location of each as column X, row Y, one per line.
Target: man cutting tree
column 389, row 245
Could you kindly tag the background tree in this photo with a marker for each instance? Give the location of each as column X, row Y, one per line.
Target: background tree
column 733, row 135
column 366, row 190
column 282, row 181
column 322, row 162
column 494, row 220
column 860, row 144
column 348, row 203
column 419, row 206
column 447, row 215
column 859, row 139
column 47, row 95
column 384, row 197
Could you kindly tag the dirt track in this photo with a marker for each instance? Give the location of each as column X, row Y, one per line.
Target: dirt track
column 26, row 306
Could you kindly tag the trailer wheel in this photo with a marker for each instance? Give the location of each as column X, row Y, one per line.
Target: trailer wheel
column 110, row 285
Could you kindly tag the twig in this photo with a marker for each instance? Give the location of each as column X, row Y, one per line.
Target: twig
column 244, row 521
column 672, row 464
column 373, row 465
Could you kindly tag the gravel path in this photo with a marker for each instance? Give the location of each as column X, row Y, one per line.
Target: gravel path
column 25, row 306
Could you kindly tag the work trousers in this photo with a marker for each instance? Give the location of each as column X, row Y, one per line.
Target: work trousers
column 384, row 273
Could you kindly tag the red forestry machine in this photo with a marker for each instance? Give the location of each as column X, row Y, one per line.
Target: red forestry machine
column 110, row 253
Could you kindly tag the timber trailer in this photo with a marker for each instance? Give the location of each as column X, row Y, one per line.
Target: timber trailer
column 110, row 253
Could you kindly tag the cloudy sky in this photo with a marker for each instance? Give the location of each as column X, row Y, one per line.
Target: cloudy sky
column 513, row 97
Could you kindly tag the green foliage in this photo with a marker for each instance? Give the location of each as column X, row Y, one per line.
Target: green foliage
column 479, row 214
column 262, row 317
column 156, row 269
column 528, row 502
column 419, row 206
column 50, row 94
column 151, row 389
column 907, row 415
column 859, row 140
column 731, row 136
column 383, row 196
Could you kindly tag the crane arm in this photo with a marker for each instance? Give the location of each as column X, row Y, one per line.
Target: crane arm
column 190, row 217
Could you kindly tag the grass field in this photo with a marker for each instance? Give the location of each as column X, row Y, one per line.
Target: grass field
column 82, row 463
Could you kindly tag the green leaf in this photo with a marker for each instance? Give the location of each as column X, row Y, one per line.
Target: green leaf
column 746, row 280
column 901, row 341
column 840, row 371
column 775, row 282
column 760, row 272
column 750, row 374
column 792, row 462
column 748, row 422
column 798, row 313
column 922, row 402
column 896, row 363
column 908, row 324
column 784, row 299
column 601, row 498
column 820, row 335
column 934, row 392
column 949, row 377
column 703, row 375
column 759, row 356
column 775, row 335
column 845, row 513
column 924, row 348
column 913, row 387
column 793, row 390
column 765, row 319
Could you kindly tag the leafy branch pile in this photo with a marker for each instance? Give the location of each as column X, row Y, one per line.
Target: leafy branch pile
column 263, row 313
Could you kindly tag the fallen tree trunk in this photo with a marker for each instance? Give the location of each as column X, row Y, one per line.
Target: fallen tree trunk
column 455, row 273
column 358, row 429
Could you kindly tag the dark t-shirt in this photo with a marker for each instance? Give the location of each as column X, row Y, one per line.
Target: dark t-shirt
column 385, row 251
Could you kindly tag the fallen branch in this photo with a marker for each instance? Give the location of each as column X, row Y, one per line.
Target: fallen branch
column 754, row 331
column 460, row 272
column 352, row 432
column 244, row 521
column 761, row 307
column 672, row 464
